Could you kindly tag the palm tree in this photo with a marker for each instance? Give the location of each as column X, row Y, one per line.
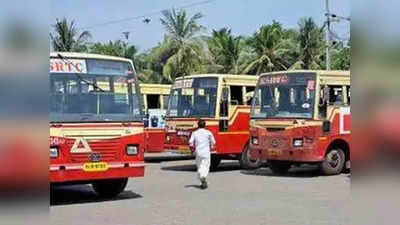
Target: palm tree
column 272, row 49
column 182, row 42
column 225, row 50
column 67, row 38
column 311, row 44
column 149, row 68
column 115, row 48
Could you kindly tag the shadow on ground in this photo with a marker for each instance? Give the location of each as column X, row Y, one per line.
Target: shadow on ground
column 303, row 172
column 193, row 186
column 149, row 158
column 78, row 194
column 224, row 166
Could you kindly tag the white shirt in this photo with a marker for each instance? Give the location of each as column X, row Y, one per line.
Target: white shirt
column 202, row 140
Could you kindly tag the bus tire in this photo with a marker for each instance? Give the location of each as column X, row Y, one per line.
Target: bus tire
column 214, row 162
column 279, row 167
column 246, row 162
column 334, row 161
column 109, row 188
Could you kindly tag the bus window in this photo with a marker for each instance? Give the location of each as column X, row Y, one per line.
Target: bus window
column 330, row 95
column 236, row 95
column 153, row 101
column 335, row 95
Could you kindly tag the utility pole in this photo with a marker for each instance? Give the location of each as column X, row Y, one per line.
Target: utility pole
column 328, row 36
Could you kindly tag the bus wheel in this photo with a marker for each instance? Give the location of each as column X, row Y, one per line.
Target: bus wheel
column 246, row 162
column 109, row 188
column 334, row 162
column 279, row 167
column 215, row 161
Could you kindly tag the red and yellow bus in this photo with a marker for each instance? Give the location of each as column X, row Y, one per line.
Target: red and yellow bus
column 96, row 126
column 301, row 117
column 155, row 102
column 223, row 101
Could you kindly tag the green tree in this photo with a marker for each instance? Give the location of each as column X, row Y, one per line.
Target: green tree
column 272, row 49
column 66, row 37
column 115, row 48
column 225, row 51
column 149, row 69
column 311, row 45
column 182, row 44
column 341, row 57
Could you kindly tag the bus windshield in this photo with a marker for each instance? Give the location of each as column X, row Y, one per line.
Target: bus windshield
column 284, row 96
column 193, row 97
column 103, row 95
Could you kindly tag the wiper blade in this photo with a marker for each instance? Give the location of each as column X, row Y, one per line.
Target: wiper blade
column 94, row 85
column 86, row 116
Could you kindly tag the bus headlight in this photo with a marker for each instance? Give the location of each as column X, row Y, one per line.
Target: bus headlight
column 298, row 142
column 254, row 140
column 53, row 152
column 131, row 150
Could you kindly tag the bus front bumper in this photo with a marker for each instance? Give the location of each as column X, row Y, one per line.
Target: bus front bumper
column 178, row 149
column 306, row 155
column 75, row 172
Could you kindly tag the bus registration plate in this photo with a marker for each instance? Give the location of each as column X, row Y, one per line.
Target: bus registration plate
column 184, row 150
column 275, row 152
column 95, row 167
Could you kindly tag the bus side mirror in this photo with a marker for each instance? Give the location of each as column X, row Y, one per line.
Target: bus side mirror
column 326, row 126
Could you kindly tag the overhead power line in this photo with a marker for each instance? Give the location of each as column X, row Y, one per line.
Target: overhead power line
column 330, row 35
column 144, row 16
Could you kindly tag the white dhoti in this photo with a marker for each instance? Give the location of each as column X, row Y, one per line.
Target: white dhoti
column 203, row 166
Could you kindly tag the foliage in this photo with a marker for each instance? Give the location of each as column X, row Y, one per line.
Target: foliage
column 115, row 48
column 186, row 50
column 311, row 44
column 225, row 51
column 181, row 44
column 341, row 58
column 66, row 37
column 272, row 47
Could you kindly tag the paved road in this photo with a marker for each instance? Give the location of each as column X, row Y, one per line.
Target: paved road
column 169, row 195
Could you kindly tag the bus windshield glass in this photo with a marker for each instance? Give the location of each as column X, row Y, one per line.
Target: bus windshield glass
column 193, row 97
column 284, row 96
column 101, row 90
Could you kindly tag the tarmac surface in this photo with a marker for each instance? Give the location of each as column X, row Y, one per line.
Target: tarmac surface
column 169, row 194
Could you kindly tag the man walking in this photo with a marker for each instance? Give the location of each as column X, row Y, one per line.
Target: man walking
column 202, row 141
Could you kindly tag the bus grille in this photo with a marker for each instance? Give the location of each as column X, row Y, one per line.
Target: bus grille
column 276, row 142
column 107, row 148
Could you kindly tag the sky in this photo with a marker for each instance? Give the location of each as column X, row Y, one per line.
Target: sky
column 243, row 17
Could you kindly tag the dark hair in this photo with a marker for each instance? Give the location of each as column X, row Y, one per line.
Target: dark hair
column 201, row 123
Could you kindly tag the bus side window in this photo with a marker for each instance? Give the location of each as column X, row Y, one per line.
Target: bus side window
column 236, row 95
column 331, row 95
column 153, row 101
